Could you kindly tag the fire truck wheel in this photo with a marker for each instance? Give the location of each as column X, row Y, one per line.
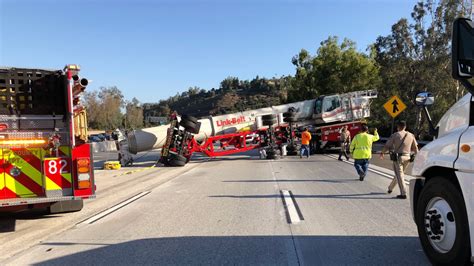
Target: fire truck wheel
column 177, row 160
column 289, row 114
column 268, row 117
column 188, row 125
column 189, row 118
column 290, row 119
column 442, row 223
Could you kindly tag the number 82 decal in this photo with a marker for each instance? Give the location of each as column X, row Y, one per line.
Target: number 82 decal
column 56, row 166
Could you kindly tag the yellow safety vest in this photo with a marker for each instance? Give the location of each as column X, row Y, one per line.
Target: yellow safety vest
column 361, row 145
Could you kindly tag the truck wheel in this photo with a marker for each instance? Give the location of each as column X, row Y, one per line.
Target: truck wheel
column 290, row 119
column 177, row 160
column 442, row 223
column 189, row 118
column 291, row 151
column 271, row 155
column 289, row 114
column 188, row 125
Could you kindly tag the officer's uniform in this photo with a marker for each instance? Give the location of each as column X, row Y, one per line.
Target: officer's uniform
column 403, row 149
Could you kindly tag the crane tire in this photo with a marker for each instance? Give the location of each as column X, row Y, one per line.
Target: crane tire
column 188, row 125
column 189, row 118
column 289, row 114
column 177, row 160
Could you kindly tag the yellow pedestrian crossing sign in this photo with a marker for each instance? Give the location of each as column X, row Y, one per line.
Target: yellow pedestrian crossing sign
column 394, row 106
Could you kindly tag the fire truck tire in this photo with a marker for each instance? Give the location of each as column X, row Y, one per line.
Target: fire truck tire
column 177, row 160
column 66, row 206
column 442, row 223
column 188, row 125
column 189, row 118
column 290, row 119
column 289, row 114
column 268, row 117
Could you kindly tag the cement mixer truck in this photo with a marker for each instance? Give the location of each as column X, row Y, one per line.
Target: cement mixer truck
column 268, row 128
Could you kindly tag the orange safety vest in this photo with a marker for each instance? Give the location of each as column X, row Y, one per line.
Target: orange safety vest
column 305, row 138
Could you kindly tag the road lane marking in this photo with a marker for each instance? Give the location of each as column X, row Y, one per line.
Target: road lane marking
column 290, row 206
column 370, row 169
column 112, row 209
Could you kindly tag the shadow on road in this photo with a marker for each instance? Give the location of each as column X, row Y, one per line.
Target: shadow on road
column 8, row 219
column 244, row 250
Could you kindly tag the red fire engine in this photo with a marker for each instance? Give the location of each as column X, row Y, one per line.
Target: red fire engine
column 46, row 161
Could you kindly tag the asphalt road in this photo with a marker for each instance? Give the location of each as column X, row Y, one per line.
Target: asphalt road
column 230, row 211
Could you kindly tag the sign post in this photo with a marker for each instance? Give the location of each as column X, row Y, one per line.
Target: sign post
column 394, row 106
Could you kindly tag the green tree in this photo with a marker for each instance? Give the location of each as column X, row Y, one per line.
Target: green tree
column 416, row 57
column 336, row 68
column 91, row 102
column 133, row 115
column 104, row 108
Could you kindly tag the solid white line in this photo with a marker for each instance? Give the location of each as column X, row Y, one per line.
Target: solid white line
column 113, row 208
column 290, row 206
column 371, row 169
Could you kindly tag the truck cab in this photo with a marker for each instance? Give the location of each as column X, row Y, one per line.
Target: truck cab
column 441, row 194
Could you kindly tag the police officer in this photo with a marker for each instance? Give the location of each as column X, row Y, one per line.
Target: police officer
column 344, row 141
column 402, row 145
column 361, row 149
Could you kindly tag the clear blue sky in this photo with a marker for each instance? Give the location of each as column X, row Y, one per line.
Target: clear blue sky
column 153, row 49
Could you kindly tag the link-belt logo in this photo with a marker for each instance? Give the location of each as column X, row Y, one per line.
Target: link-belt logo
column 235, row 120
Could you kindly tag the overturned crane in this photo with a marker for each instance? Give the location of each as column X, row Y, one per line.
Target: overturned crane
column 323, row 115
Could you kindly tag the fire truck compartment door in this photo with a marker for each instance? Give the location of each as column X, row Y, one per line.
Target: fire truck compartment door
column 21, row 175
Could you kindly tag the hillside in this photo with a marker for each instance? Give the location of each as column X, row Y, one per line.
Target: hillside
column 232, row 96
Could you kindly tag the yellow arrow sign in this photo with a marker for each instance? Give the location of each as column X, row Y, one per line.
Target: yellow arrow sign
column 394, row 106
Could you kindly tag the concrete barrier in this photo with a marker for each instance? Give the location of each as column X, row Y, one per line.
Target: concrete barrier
column 104, row 146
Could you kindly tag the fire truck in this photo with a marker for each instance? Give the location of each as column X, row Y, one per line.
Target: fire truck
column 269, row 128
column 46, row 161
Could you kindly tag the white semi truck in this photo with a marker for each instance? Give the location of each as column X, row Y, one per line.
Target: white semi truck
column 323, row 115
column 442, row 194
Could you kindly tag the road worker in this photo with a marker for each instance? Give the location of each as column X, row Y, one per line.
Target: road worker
column 361, row 149
column 403, row 147
column 305, row 138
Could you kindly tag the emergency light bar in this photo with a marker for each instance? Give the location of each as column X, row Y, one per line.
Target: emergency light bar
column 14, row 142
